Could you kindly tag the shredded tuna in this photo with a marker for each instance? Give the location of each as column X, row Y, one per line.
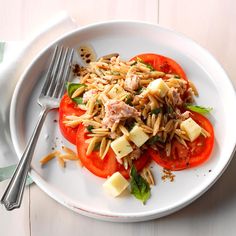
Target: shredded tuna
column 135, row 154
column 185, row 115
column 182, row 116
column 87, row 95
column 176, row 97
column 116, row 111
column 190, row 94
column 132, row 82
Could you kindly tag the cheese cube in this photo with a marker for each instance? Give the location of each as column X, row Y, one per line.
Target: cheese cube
column 159, row 87
column 115, row 184
column 121, row 147
column 138, row 136
column 192, row 129
column 116, row 91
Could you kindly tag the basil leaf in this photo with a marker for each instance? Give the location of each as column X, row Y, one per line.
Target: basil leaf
column 154, row 139
column 97, row 147
column 129, row 124
column 139, row 186
column 146, row 64
column 71, row 88
column 7, row 172
column 156, row 111
column 135, row 62
column 149, row 66
column 139, row 91
column 199, row 109
column 129, row 100
column 169, row 109
column 89, row 128
column 78, row 100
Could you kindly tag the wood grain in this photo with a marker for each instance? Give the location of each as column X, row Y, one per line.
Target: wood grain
column 15, row 222
column 17, row 22
column 211, row 23
column 212, row 215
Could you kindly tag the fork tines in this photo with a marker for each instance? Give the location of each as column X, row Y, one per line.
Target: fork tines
column 58, row 72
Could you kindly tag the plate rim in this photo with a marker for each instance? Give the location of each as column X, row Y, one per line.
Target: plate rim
column 119, row 217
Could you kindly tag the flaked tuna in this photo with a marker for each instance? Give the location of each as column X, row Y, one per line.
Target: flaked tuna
column 116, row 111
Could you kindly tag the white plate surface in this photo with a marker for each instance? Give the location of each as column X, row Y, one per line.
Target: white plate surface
column 77, row 188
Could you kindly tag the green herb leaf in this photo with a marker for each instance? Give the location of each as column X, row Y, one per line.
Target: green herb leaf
column 139, row 186
column 199, row 109
column 149, row 66
column 89, row 128
column 169, row 110
column 129, row 100
column 129, row 124
column 146, row 64
column 154, row 139
column 78, row 100
column 134, row 63
column 71, row 88
column 138, row 59
column 97, row 147
column 156, row 111
column 7, row 172
column 139, row 90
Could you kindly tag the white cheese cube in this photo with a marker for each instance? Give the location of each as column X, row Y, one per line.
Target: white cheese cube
column 138, row 136
column 115, row 184
column 116, row 91
column 159, row 87
column 192, row 129
column 121, row 147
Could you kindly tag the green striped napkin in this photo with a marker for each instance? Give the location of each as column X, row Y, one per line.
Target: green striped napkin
column 7, row 172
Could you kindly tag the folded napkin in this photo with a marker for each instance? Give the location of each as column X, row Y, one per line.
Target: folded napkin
column 16, row 57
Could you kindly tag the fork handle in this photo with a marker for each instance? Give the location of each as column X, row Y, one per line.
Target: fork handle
column 13, row 194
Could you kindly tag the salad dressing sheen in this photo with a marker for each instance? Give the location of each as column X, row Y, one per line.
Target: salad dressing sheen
column 87, row 53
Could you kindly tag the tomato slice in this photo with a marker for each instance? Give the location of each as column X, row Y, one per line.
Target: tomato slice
column 182, row 157
column 107, row 166
column 68, row 107
column 162, row 63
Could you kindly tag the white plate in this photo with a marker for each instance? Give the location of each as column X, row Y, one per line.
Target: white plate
column 77, row 188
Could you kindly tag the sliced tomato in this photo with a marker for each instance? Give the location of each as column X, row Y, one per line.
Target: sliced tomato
column 107, row 166
column 68, row 107
column 182, row 157
column 162, row 63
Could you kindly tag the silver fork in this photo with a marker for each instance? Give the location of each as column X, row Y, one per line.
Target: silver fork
column 52, row 91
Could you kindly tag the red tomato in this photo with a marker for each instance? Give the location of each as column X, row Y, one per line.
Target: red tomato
column 68, row 107
column 162, row 63
column 181, row 157
column 107, row 166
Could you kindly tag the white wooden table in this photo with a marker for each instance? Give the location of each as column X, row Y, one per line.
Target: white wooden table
column 209, row 22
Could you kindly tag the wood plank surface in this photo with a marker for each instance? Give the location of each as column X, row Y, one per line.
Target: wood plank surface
column 15, row 222
column 19, row 18
column 208, row 22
